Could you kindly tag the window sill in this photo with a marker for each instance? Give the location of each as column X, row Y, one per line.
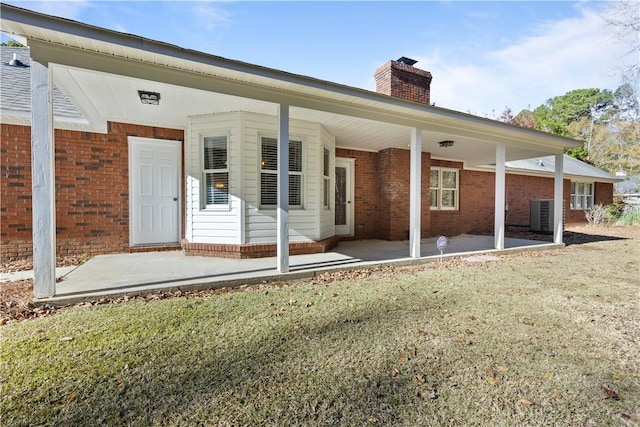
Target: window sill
column 274, row 208
column 225, row 208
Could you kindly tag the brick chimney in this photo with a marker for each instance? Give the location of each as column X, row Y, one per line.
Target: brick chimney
column 401, row 79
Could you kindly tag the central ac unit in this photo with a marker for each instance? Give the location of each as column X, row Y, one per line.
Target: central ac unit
column 542, row 216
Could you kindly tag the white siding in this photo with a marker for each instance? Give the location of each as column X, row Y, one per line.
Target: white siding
column 222, row 225
column 327, row 216
column 260, row 224
column 244, row 221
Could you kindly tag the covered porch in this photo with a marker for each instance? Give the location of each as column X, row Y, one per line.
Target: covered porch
column 104, row 71
column 152, row 272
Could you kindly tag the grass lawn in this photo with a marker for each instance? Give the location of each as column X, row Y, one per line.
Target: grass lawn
column 549, row 338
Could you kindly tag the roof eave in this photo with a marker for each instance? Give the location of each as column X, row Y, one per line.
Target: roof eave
column 14, row 19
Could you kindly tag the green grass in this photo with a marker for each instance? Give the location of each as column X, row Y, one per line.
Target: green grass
column 527, row 340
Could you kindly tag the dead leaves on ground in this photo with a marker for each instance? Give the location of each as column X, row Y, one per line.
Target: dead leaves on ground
column 611, row 394
column 15, row 311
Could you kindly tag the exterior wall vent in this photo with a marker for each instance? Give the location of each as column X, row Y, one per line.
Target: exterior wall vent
column 541, row 220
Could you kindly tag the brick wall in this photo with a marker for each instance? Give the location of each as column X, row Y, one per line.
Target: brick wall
column 476, row 203
column 603, row 193
column 365, row 187
column 520, row 190
column 92, row 199
column 404, row 81
column 15, row 191
column 257, row 250
column 92, row 189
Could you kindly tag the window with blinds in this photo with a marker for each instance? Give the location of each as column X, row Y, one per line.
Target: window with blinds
column 581, row 195
column 326, row 178
column 269, row 169
column 215, row 171
column 444, row 188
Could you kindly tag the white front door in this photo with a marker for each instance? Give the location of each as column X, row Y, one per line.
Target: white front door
column 344, row 196
column 154, row 184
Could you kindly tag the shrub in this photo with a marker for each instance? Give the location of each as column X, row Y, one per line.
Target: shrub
column 630, row 216
column 597, row 215
column 616, row 209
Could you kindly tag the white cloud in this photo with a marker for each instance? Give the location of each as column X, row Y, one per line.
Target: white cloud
column 209, row 17
column 560, row 56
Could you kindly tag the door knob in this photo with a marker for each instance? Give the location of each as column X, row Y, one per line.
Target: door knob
column 175, row 199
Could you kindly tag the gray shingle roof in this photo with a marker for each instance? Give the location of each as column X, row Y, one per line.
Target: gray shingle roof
column 571, row 166
column 15, row 82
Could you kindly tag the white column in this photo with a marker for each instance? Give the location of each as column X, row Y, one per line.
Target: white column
column 500, row 191
column 415, row 193
column 283, row 189
column 558, row 190
column 43, row 181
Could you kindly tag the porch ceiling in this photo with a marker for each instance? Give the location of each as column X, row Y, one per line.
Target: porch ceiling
column 102, row 70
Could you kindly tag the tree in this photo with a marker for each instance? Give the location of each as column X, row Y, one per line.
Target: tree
column 525, row 119
column 624, row 17
column 608, row 123
column 12, row 43
column 548, row 121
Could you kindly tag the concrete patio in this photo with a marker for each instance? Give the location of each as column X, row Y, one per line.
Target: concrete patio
column 139, row 273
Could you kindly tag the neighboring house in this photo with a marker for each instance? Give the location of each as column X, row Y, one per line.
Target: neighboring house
column 160, row 147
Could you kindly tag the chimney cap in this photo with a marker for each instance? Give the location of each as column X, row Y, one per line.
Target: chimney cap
column 406, row 60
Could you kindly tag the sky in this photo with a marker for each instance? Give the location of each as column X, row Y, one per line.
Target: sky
column 484, row 56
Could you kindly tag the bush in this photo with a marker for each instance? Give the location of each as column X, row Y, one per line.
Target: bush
column 616, row 209
column 597, row 215
column 630, row 216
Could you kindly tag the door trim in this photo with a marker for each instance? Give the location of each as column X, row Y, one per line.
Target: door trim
column 179, row 219
column 349, row 164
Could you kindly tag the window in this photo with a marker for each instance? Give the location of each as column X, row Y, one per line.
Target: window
column 269, row 169
column 326, row 178
column 444, row 188
column 581, row 195
column 215, row 171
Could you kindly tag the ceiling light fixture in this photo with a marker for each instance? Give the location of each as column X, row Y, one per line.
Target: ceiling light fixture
column 150, row 98
column 445, row 144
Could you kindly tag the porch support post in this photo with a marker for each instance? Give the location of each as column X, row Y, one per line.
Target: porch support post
column 498, row 231
column 283, row 189
column 415, row 193
column 558, row 205
column 43, row 181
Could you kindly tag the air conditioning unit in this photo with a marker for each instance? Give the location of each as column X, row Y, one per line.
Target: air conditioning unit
column 541, row 220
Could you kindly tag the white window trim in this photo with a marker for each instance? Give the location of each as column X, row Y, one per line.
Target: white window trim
column 439, row 189
column 587, row 198
column 303, row 146
column 326, row 180
column 204, row 172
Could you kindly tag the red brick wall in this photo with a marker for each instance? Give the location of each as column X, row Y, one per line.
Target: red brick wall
column 387, row 174
column 603, row 193
column 15, row 191
column 382, row 189
column 365, row 187
column 520, row 190
column 404, row 81
column 92, row 189
column 475, row 204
